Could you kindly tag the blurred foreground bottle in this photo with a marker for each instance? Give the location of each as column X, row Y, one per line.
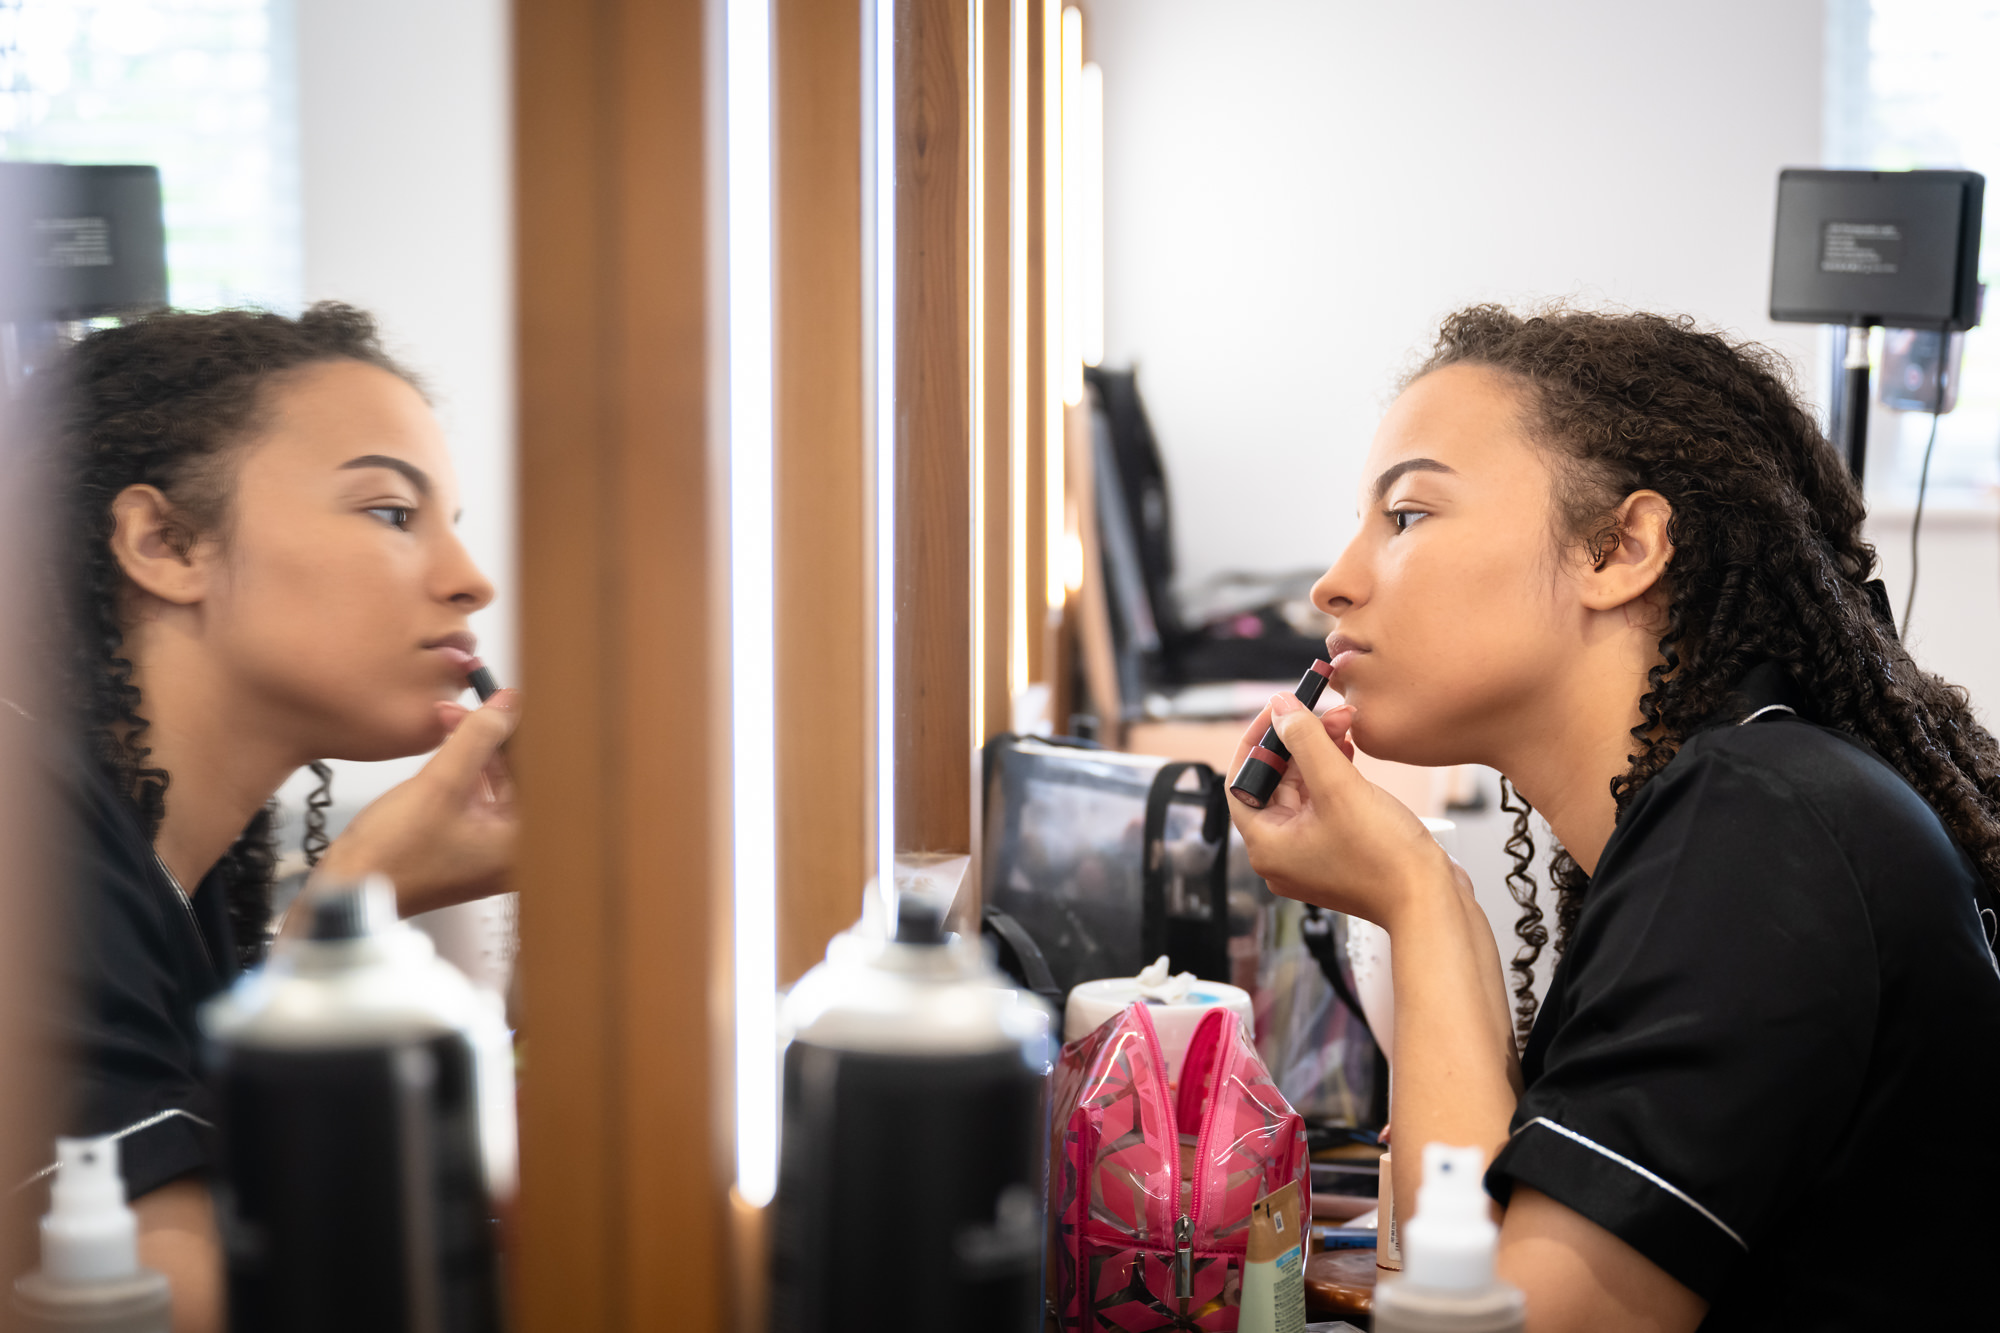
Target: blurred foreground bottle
column 910, row 1191
column 1447, row 1284
column 368, row 1126
column 90, row 1280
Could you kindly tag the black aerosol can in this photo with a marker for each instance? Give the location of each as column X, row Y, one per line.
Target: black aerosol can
column 910, row 1176
column 368, row 1127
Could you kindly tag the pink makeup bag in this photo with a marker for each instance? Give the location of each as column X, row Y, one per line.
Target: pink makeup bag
column 1149, row 1230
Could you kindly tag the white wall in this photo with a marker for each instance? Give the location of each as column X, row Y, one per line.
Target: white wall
column 1296, row 190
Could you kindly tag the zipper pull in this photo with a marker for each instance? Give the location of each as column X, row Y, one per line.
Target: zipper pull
column 1184, row 1260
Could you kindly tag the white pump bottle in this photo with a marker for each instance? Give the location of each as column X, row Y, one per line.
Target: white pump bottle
column 90, row 1280
column 1447, row 1284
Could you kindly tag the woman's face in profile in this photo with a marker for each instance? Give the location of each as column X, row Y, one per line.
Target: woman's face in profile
column 343, row 588
column 1450, row 600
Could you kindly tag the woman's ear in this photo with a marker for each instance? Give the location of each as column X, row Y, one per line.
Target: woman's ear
column 155, row 546
column 1627, row 556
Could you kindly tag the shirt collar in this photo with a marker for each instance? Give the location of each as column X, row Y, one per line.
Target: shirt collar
column 1762, row 686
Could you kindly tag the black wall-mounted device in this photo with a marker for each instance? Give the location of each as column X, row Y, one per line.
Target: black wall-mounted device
column 1860, row 248
column 80, row 241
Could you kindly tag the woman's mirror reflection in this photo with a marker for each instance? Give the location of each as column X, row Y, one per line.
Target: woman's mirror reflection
column 263, row 573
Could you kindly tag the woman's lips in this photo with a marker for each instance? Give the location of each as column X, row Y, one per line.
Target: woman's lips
column 1341, row 652
column 461, row 660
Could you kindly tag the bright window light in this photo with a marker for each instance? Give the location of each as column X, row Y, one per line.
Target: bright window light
column 752, row 631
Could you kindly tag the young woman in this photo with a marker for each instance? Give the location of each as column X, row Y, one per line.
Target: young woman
column 1613, row 558
column 263, row 574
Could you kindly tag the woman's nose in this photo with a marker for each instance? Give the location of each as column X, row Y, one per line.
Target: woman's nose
column 466, row 587
column 1339, row 589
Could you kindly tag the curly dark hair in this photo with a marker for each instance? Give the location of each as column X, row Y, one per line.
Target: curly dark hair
column 1768, row 560
column 163, row 400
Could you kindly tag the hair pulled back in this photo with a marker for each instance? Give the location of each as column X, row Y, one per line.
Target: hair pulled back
column 164, row 400
column 1768, row 561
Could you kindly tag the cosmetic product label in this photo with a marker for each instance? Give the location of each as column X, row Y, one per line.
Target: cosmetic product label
column 1274, row 1269
column 1388, row 1244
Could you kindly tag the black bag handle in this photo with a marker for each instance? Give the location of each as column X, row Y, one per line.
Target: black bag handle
column 1031, row 965
column 1317, row 928
column 1153, row 851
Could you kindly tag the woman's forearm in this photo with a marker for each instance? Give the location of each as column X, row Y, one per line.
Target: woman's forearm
column 1456, row 1077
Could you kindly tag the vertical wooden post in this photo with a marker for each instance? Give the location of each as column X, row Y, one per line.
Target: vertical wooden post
column 626, row 1149
column 995, row 279
column 934, row 478
column 826, row 734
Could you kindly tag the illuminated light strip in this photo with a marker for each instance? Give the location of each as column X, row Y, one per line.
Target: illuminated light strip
column 1052, row 306
column 1017, row 355
column 879, row 278
column 1073, row 172
column 976, row 306
column 1090, row 221
column 752, row 628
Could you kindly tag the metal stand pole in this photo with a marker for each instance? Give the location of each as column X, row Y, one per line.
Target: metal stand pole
column 1854, row 402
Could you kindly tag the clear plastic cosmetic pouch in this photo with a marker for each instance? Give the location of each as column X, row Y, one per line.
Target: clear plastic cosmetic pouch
column 1150, row 1194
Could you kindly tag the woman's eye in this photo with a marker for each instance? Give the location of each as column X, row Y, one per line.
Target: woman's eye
column 394, row 515
column 1403, row 518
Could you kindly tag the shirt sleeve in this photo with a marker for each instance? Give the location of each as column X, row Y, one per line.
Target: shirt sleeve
column 1715, row 1019
column 124, row 1022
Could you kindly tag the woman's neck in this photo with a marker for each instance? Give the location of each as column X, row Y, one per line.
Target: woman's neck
column 223, row 765
column 1564, row 764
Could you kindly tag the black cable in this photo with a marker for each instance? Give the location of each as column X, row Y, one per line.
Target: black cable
column 1923, row 484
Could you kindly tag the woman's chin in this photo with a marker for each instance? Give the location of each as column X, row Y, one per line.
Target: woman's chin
column 1398, row 741
column 397, row 738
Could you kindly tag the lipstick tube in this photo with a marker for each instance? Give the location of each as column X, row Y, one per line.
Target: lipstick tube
column 1265, row 768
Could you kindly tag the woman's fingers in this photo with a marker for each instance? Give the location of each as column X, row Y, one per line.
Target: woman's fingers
column 1339, row 722
column 476, row 739
column 1319, row 761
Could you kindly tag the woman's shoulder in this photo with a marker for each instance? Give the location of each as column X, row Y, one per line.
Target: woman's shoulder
column 1793, row 777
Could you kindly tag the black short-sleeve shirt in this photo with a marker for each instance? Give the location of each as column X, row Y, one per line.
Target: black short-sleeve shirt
column 139, row 958
column 1770, row 1058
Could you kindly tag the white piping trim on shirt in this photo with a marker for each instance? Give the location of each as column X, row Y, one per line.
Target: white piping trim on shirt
column 157, row 1117
column 1768, row 708
column 1633, row 1166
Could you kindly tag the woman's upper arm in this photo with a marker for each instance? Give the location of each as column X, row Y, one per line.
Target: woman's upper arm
column 1578, row 1276
column 178, row 1237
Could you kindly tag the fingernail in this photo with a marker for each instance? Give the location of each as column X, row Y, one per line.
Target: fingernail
column 1284, row 703
column 504, row 699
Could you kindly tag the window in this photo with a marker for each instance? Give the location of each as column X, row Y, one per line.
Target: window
column 1910, row 84
column 203, row 89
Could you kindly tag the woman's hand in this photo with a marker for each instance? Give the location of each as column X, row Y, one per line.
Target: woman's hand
column 1328, row 835
column 447, row 835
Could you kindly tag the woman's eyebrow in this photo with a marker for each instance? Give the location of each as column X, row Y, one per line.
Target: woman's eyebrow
column 418, row 477
column 1389, row 474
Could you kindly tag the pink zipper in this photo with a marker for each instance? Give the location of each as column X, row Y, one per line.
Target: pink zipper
column 1210, row 1040
column 1167, row 1106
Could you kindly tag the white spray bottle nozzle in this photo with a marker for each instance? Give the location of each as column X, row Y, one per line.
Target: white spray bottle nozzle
column 88, row 1234
column 1448, row 1245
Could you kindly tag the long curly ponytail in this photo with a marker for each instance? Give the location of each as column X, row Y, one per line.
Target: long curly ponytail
column 1768, row 562
column 163, row 401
